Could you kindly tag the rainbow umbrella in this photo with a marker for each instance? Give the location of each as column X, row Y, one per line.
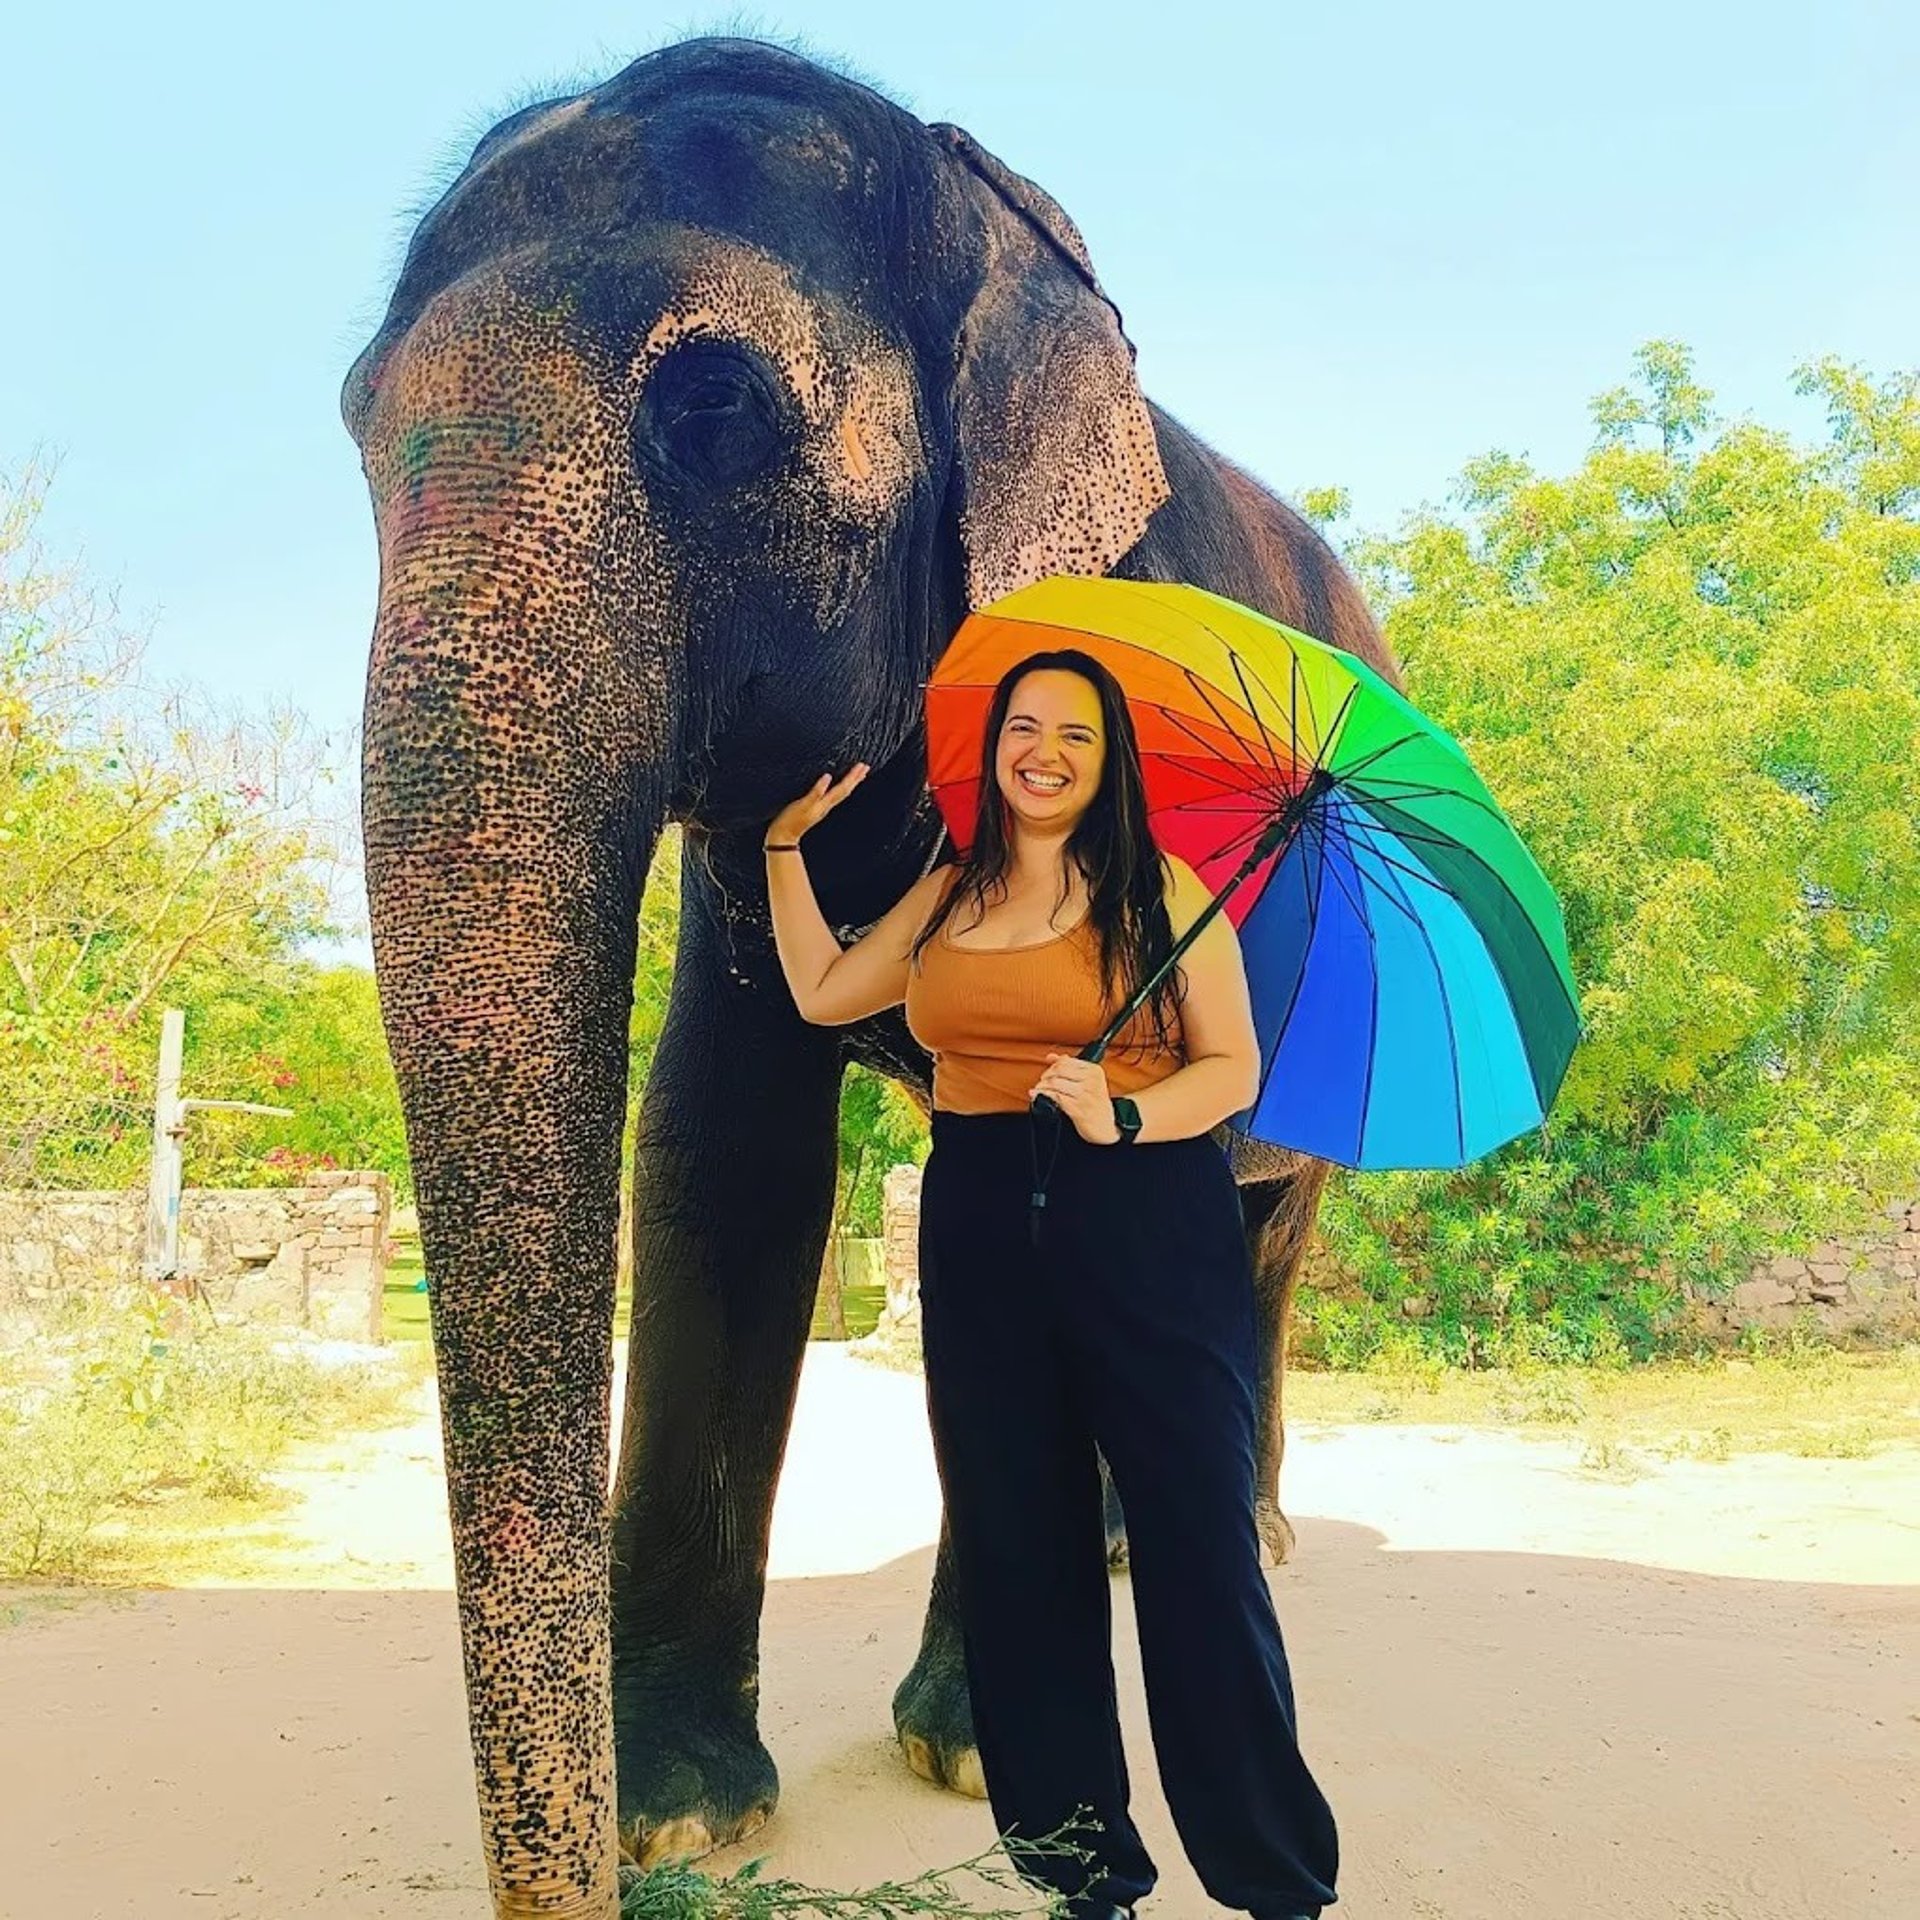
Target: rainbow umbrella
column 1406, row 957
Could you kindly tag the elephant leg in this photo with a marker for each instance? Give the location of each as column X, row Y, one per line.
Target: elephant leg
column 932, row 1715
column 733, row 1197
column 1279, row 1216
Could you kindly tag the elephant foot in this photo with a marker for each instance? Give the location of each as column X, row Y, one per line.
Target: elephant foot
column 933, row 1720
column 1276, row 1533
column 689, row 1785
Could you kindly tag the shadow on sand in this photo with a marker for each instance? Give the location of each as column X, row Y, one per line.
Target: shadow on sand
column 1501, row 1734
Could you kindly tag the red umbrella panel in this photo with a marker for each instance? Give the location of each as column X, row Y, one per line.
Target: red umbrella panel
column 1214, row 776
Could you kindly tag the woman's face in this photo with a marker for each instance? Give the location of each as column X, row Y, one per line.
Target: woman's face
column 1053, row 745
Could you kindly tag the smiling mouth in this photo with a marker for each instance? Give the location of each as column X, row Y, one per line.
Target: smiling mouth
column 1033, row 784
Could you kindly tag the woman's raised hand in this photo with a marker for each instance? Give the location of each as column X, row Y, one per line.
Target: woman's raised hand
column 814, row 805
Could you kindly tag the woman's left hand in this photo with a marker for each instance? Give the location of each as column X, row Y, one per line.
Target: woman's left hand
column 1079, row 1088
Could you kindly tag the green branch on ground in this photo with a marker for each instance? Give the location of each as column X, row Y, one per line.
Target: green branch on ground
column 676, row 1890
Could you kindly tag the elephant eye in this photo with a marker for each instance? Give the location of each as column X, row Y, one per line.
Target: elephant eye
column 710, row 416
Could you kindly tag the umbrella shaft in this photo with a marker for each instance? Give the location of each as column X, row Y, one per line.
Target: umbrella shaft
column 1275, row 836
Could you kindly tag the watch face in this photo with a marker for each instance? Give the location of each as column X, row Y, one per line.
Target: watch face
column 1126, row 1116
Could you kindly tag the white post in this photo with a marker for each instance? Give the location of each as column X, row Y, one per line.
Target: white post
column 163, row 1184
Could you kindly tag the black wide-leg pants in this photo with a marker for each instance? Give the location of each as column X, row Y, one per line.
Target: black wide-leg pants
column 1131, row 1326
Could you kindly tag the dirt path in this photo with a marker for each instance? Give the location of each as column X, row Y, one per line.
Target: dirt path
column 1530, row 1691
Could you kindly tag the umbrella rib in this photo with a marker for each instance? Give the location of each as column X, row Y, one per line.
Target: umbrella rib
column 1419, row 835
column 1262, row 741
column 1420, row 930
column 1432, row 836
column 1494, row 876
column 1373, row 1041
column 1315, row 880
column 1389, row 892
column 1207, row 747
column 1233, row 657
column 1381, row 751
column 1376, row 839
column 1326, row 828
column 1240, row 676
column 1321, row 826
column 1496, row 880
column 1340, row 712
column 1230, row 846
column 1247, row 836
column 1328, row 824
column 1262, row 820
column 1406, row 790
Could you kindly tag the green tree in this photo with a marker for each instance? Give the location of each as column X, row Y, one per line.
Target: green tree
column 880, row 1127
column 152, row 850
column 659, row 940
column 1690, row 672
column 314, row 1044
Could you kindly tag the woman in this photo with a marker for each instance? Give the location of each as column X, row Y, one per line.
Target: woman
column 1129, row 1326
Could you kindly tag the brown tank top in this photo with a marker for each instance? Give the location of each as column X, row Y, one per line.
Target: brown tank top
column 990, row 1017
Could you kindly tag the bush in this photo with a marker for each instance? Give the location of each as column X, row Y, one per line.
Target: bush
column 1690, row 672
column 117, row 1403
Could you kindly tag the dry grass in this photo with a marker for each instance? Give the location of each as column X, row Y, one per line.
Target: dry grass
column 135, row 1434
column 1789, row 1395
column 1793, row 1397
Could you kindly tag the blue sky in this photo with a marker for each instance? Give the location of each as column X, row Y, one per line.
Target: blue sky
column 1355, row 245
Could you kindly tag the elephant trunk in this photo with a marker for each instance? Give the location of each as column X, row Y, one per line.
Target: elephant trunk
column 510, row 816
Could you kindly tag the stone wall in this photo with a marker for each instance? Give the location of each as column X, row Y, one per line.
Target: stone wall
column 898, row 1330
column 1864, row 1289
column 311, row 1256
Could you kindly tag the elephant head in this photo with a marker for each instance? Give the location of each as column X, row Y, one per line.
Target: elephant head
column 706, row 402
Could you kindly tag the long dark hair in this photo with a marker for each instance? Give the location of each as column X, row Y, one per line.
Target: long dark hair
column 1112, row 844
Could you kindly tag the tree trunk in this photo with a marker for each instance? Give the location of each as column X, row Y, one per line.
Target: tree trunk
column 833, row 1282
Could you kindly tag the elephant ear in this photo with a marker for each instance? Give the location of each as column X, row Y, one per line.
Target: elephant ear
column 1060, row 471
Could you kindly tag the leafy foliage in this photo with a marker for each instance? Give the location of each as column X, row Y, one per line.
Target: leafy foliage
column 151, row 849
column 880, row 1128
column 315, row 1045
column 121, row 1405
column 1690, row 672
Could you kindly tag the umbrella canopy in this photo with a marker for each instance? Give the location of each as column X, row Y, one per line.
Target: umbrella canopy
column 1407, row 959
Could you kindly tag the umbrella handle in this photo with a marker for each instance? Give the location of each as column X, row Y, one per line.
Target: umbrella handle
column 1043, row 1106
column 1282, row 830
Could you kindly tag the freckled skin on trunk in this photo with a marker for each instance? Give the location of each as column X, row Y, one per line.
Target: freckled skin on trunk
column 504, row 839
column 705, row 407
column 512, row 1065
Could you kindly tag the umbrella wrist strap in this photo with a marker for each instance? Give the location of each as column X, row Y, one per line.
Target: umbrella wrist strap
column 1037, row 1191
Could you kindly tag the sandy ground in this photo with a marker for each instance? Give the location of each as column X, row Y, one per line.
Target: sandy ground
column 1529, row 1691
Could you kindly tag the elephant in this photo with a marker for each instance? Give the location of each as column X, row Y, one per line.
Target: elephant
column 706, row 403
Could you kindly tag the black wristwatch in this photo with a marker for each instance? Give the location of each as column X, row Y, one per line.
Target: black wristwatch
column 1126, row 1116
